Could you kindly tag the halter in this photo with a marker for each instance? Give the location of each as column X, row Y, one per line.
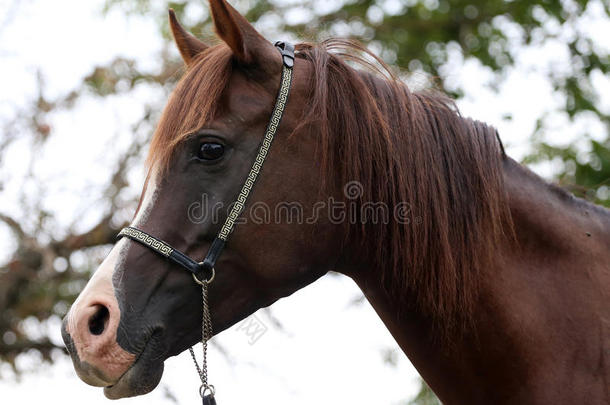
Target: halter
column 203, row 272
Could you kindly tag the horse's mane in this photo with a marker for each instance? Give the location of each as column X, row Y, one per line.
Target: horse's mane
column 406, row 149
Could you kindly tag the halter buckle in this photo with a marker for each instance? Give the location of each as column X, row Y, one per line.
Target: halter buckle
column 287, row 51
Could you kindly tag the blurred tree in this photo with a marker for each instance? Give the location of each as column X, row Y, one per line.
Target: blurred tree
column 45, row 271
column 586, row 173
column 425, row 396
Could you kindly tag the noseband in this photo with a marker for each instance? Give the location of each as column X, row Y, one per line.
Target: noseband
column 203, row 272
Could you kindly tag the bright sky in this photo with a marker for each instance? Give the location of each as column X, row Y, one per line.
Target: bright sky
column 332, row 351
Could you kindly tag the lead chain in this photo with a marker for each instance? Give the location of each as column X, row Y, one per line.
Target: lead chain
column 206, row 334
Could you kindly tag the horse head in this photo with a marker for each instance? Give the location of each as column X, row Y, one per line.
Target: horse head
column 138, row 309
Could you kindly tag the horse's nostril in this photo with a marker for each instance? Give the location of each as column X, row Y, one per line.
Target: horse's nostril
column 99, row 320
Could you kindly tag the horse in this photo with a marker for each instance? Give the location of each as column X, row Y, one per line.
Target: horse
column 493, row 282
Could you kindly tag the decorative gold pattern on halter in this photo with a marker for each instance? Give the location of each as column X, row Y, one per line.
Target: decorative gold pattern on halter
column 146, row 239
column 276, row 117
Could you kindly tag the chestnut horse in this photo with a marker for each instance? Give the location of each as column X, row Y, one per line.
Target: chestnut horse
column 494, row 283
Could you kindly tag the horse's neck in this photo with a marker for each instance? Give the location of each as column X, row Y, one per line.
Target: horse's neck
column 542, row 320
column 550, row 220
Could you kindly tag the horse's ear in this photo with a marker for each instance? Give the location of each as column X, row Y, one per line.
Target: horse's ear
column 188, row 45
column 248, row 46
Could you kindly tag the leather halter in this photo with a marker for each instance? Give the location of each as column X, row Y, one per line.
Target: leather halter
column 204, row 270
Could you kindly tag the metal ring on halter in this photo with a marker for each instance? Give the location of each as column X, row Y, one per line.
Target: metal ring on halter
column 205, row 388
column 200, row 282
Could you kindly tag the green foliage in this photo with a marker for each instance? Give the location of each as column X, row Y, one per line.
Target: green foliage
column 425, row 396
column 584, row 173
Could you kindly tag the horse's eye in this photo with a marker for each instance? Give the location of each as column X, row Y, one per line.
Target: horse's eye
column 211, row 151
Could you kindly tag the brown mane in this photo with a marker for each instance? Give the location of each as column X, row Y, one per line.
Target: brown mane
column 193, row 102
column 402, row 147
